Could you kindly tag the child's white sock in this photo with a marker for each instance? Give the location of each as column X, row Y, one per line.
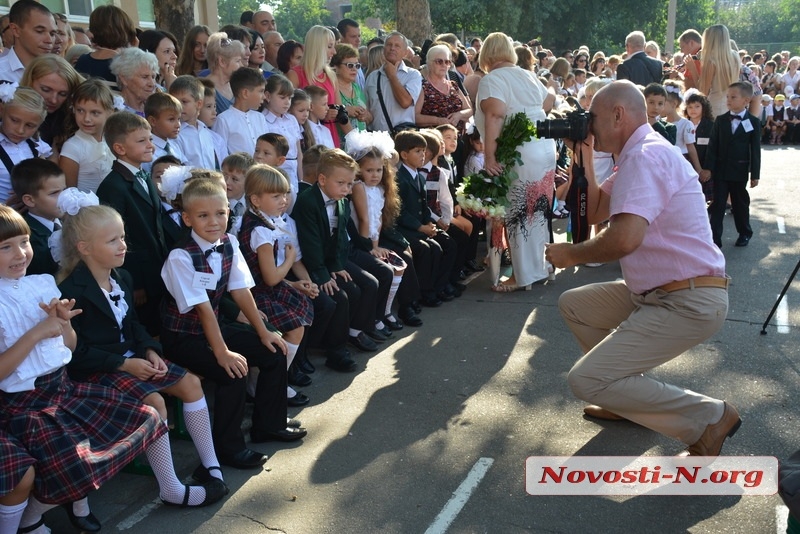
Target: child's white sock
column 33, row 513
column 171, row 489
column 199, row 426
column 81, row 507
column 392, row 293
column 291, row 352
column 10, row 516
column 252, row 381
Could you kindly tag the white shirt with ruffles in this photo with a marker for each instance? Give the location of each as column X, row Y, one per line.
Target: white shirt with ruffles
column 19, row 313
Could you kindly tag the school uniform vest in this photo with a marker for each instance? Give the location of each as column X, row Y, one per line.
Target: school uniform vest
column 189, row 323
column 432, row 192
column 250, row 222
column 777, row 115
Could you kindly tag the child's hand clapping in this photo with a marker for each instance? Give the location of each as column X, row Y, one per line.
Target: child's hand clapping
column 62, row 309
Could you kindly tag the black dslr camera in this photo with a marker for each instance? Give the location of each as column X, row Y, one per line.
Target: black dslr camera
column 341, row 114
column 574, row 126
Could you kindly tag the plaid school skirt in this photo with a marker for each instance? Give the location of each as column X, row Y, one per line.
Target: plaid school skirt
column 136, row 388
column 14, row 462
column 286, row 308
column 80, row 434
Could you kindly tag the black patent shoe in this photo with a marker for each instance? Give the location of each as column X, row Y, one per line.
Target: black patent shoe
column 392, row 324
column 85, row 524
column 298, row 378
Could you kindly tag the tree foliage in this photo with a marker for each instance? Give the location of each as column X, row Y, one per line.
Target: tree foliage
column 295, row 17
column 763, row 21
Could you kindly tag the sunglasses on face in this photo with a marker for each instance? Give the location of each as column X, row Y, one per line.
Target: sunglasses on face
column 440, row 61
column 355, row 66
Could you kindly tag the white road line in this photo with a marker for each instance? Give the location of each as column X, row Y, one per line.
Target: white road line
column 782, row 316
column 781, row 225
column 137, row 516
column 460, row 497
column 781, row 519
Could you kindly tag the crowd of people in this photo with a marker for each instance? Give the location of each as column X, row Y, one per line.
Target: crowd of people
column 226, row 206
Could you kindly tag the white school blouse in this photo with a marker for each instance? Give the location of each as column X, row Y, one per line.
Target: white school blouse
column 178, row 273
column 17, row 152
column 93, row 157
column 240, row 130
column 285, row 232
column 19, row 312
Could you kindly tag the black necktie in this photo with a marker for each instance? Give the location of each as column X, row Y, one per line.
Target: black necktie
column 219, row 248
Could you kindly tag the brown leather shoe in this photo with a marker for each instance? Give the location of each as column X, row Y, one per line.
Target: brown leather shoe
column 710, row 443
column 601, row 413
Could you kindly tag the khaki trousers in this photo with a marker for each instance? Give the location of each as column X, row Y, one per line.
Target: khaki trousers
column 624, row 335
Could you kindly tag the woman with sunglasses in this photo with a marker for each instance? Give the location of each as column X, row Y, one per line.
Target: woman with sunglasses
column 440, row 100
column 345, row 63
column 581, row 61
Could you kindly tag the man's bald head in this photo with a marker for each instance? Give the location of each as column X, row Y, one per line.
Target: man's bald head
column 617, row 110
column 263, row 22
column 635, row 42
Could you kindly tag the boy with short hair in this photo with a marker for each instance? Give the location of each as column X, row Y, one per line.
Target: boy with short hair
column 317, row 113
column 271, row 149
column 434, row 252
column 442, row 205
column 734, row 153
column 656, row 97
column 311, row 159
column 322, row 213
column 37, row 183
column 234, row 169
column 129, row 190
column 163, row 112
column 197, row 273
column 240, row 125
column 195, row 139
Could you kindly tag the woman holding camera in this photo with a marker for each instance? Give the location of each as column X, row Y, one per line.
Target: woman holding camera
column 345, row 63
column 440, row 100
column 505, row 91
column 320, row 46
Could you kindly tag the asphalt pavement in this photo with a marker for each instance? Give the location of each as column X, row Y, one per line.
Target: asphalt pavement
column 454, row 408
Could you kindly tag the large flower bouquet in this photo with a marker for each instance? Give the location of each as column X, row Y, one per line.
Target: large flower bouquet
column 484, row 195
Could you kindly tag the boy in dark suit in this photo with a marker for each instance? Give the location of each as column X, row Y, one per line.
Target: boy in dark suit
column 433, row 250
column 734, row 153
column 130, row 191
column 37, row 183
column 322, row 213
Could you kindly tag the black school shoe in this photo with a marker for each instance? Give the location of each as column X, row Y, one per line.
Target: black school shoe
column 742, row 241
column 392, row 324
column 363, row 342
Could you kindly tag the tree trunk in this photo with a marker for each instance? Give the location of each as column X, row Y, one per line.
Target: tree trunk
column 175, row 16
column 414, row 19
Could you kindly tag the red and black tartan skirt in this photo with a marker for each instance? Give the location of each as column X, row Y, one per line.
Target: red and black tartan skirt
column 80, row 434
column 136, row 388
column 14, row 462
column 286, row 308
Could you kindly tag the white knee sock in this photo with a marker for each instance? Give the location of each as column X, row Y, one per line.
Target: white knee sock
column 392, row 293
column 33, row 513
column 199, row 426
column 252, row 381
column 171, row 489
column 291, row 352
column 81, row 507
column 10, row 516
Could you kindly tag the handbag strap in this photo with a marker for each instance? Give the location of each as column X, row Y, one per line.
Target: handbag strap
column 383, row 104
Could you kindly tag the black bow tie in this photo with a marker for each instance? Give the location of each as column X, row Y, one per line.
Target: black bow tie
column 219, row 248
column 115, row 299
column 737, row 117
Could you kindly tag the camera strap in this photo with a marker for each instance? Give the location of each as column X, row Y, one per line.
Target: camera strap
column 383, row 105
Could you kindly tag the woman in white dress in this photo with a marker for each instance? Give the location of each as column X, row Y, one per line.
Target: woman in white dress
column 505, row 91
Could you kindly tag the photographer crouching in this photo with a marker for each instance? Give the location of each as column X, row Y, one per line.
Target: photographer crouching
column 673, row 295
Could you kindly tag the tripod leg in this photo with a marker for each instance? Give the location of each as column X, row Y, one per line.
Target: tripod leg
column 777, row 302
